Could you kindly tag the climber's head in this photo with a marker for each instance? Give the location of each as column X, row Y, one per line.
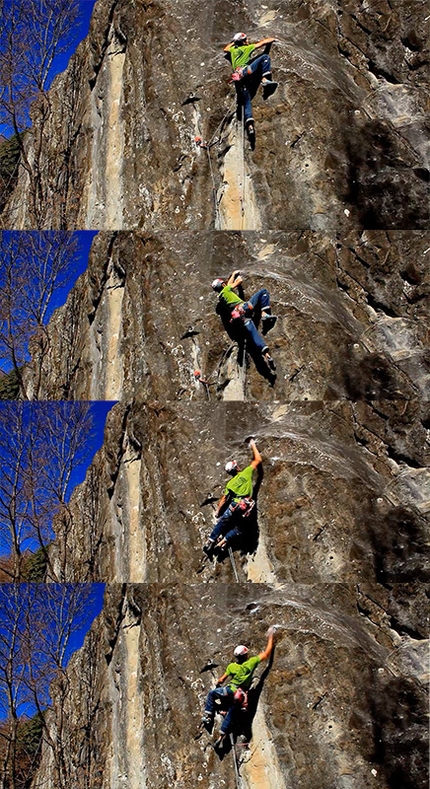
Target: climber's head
column 241, row 653
column 231, row 467
column 218, row 284
column 240, row 39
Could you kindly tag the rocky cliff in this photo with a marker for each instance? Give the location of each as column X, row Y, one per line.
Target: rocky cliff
column 352, row 318
column 344, row 496
column 334, row 199
column 343, row 429
column 336, row 553
column 342, row 703
column 341, row 145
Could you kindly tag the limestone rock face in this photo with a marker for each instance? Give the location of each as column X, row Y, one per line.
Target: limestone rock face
column 342, row 703
column 335, row 552
column 352, row 319
column 340, row 145
column 344, row 495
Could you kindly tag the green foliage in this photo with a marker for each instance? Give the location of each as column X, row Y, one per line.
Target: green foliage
column 9, row 158
column 30, row 733
column 9, row 386
column 35, row 567
column 29, row 741
column 27, row 751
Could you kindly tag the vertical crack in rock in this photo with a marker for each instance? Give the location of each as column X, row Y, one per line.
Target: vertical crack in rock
column 127, row 767
column 113, row 324
column 262, row 770
column 238, row 208
column 259, row 568
column 232, row 374
column 106, row 333
column 105, row 191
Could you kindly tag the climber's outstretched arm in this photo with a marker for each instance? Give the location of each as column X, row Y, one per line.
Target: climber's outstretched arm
column 269, row 646
column 257, row 459
column 263, row 42
column 234, row 279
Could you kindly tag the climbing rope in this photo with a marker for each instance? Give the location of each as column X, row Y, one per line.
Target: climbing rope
column 242, row 170
column 218, row 222
column 214, row 140
column 236, row 766
column 233, row 564
column 243, row 367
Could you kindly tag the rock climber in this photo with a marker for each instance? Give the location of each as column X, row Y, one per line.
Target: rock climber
column 246, row 313
column 235, row 504
column 248, row 74
column 233, row 696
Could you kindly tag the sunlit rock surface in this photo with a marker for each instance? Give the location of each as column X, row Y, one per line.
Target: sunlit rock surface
column 352, row 318
column 343, row 703
column 344, row 496
column 342, row 143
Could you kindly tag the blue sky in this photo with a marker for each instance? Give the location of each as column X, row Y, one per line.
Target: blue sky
column 15, row 251
column 85, row 239
column 94, row 608
column 48, row 608
column 33, row 436
column 60, row 62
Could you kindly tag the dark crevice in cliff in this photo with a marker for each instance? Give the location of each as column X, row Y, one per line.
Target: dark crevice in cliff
column 404, row 630
column 97, row 65
column 378, row 306
column 115, row 625
column 383, row 618
column 399, row 457
column 362, row 27
column 381, row 72
column 115, row 462
column 96, row 299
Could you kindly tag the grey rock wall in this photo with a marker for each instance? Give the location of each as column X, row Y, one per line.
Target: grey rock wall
column 342, row 704
column 336, row 194
column 344, row 496
column 340, row 146
column 352, row 318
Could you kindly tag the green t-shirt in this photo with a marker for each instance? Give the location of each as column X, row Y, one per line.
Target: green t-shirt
column 241, row 484
column 230, row 297
column 240, row 55
column 241, row 673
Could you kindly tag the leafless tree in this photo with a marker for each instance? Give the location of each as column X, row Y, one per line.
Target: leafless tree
column 34, row 267
column 32, row 34
column 41, row 445
column 38, row 622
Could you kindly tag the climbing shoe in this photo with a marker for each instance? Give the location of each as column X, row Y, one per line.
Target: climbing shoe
column 207, row 721
column 267, row 323
column 219, row 742
column 209, row 547
column 269, row 87
column 268, row 359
